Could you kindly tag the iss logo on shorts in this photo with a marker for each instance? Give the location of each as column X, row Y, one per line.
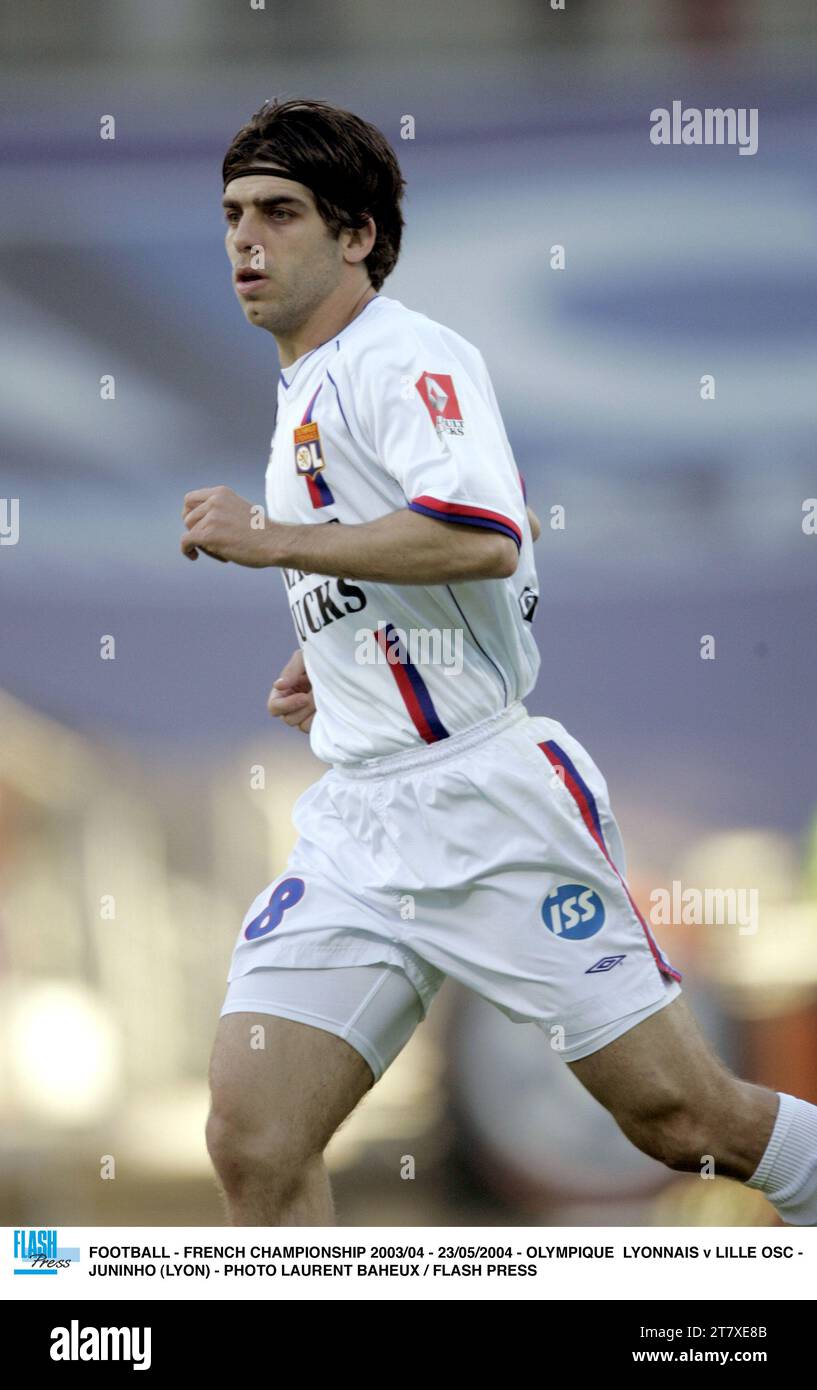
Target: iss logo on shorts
column 573, row 911
column 440, row 400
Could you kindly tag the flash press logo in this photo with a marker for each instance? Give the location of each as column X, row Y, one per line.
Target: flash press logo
column 36, row 1251
column 75, row 1343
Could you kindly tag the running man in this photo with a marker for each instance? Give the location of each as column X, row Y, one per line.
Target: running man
column 453, row 833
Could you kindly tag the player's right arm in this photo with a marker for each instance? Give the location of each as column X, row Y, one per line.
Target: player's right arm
column 291, row 697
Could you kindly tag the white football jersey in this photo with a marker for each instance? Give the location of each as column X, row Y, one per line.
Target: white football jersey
column 398, row 411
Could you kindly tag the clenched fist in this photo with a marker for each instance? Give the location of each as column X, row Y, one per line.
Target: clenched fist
column 226, row 527
column 291, row 696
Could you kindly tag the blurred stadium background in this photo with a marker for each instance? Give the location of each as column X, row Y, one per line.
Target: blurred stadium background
column 130, row 780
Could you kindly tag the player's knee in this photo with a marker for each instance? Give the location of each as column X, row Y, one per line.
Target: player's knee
column 248, row 1153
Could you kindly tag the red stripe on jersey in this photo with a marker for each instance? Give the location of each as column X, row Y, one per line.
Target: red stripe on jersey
column 459, row 511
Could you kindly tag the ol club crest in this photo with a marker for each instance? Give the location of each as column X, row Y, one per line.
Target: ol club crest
column 308, row 454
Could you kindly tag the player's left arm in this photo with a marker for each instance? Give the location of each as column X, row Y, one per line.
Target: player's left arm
column 403, row 547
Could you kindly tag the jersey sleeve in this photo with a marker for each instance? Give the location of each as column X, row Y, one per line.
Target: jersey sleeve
column 435, row 428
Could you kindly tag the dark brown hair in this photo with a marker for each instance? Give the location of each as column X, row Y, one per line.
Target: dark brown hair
column 347, row 163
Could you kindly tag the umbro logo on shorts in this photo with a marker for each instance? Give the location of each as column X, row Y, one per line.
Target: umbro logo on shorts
column 606, row 963
column 573, row 911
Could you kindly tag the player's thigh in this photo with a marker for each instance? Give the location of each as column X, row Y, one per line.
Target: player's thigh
column 273, row 1075
column 662, row 1064
column 296, row 1050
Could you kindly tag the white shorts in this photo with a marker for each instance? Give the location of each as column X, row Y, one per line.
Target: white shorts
column 492, row 856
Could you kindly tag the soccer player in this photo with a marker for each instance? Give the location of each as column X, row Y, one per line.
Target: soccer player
column 453, row 833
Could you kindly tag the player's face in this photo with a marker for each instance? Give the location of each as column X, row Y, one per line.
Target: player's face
column 285, row 260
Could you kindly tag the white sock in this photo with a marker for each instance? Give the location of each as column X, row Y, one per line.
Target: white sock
column 787, row 1172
